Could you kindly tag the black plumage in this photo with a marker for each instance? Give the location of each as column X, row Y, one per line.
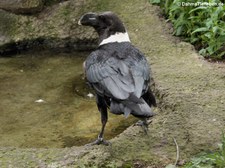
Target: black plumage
column 117, row 71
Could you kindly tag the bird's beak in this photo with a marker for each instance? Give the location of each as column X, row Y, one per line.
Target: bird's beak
column 88, row 19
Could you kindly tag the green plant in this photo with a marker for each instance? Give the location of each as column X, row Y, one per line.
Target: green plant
column 201, row 25
column 211, row 34
column 211, row 160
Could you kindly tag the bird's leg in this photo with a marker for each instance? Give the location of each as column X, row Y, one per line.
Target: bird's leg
column 144, row 124
column 100, row 140
column 104, row 118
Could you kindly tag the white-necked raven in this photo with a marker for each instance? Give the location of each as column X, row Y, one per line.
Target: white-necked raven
column 117, row 71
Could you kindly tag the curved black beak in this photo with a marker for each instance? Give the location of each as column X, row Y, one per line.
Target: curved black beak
column 88, row 19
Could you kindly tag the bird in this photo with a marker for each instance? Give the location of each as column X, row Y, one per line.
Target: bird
column 118, row 72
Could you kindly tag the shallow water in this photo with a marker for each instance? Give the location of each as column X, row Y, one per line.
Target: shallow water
column 44, row 102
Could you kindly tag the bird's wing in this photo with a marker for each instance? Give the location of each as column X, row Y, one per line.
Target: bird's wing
column 115, row 77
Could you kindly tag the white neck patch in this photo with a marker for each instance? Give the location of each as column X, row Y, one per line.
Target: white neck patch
column 118, row 37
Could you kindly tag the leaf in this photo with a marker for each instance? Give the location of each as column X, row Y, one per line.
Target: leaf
column 201, row 29
column 202, row 52
column 179, row 31
column 155, row 1
column 221, row 39
column 167, row 6
column 209, row 23
column 198, row 8
column 210, row 49
column 193, row 17
column 215, row 29
column 170, row 166
column 194, row 39
column 208, row 35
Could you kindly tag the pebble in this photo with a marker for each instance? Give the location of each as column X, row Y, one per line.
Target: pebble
column 39, row 101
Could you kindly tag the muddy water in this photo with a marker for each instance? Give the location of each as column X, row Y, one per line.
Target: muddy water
column 44, row 102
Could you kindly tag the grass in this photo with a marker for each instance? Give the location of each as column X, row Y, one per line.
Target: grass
column 209, row 160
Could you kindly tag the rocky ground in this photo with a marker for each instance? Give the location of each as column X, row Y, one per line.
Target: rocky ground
column 190, row 94
column 55, row 26
column 22, row 6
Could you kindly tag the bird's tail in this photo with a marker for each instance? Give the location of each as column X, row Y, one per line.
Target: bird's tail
column 135, row 106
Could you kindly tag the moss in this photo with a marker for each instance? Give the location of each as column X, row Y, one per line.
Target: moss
column 51, row 2
column 57, row 27
column 32, row 3
column 102, row 5
column 8, row 24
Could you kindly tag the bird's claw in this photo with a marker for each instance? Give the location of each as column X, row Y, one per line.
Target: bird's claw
column 99, row 141
column 144, row 124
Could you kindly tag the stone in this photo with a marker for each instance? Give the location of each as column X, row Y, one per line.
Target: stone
column 22, row 6
column 55, row 27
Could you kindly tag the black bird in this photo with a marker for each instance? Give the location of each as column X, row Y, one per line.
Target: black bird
column 117, row 71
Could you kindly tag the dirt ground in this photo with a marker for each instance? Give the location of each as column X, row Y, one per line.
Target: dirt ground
column 190, row 94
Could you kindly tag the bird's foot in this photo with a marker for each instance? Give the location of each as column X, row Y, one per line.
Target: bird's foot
column 144, row 124
column 99, row 141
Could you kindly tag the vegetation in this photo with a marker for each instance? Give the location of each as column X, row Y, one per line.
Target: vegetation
column 51, row 2
column 210, row 160
column 202, row 23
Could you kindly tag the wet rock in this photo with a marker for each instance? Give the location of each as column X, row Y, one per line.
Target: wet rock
column 22, row 6
column 53, row 28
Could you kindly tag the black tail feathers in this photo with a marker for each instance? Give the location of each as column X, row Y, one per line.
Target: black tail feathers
column 138, row 108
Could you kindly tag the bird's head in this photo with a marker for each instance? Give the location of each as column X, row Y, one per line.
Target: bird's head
column 106, row 24
column 102, row 21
